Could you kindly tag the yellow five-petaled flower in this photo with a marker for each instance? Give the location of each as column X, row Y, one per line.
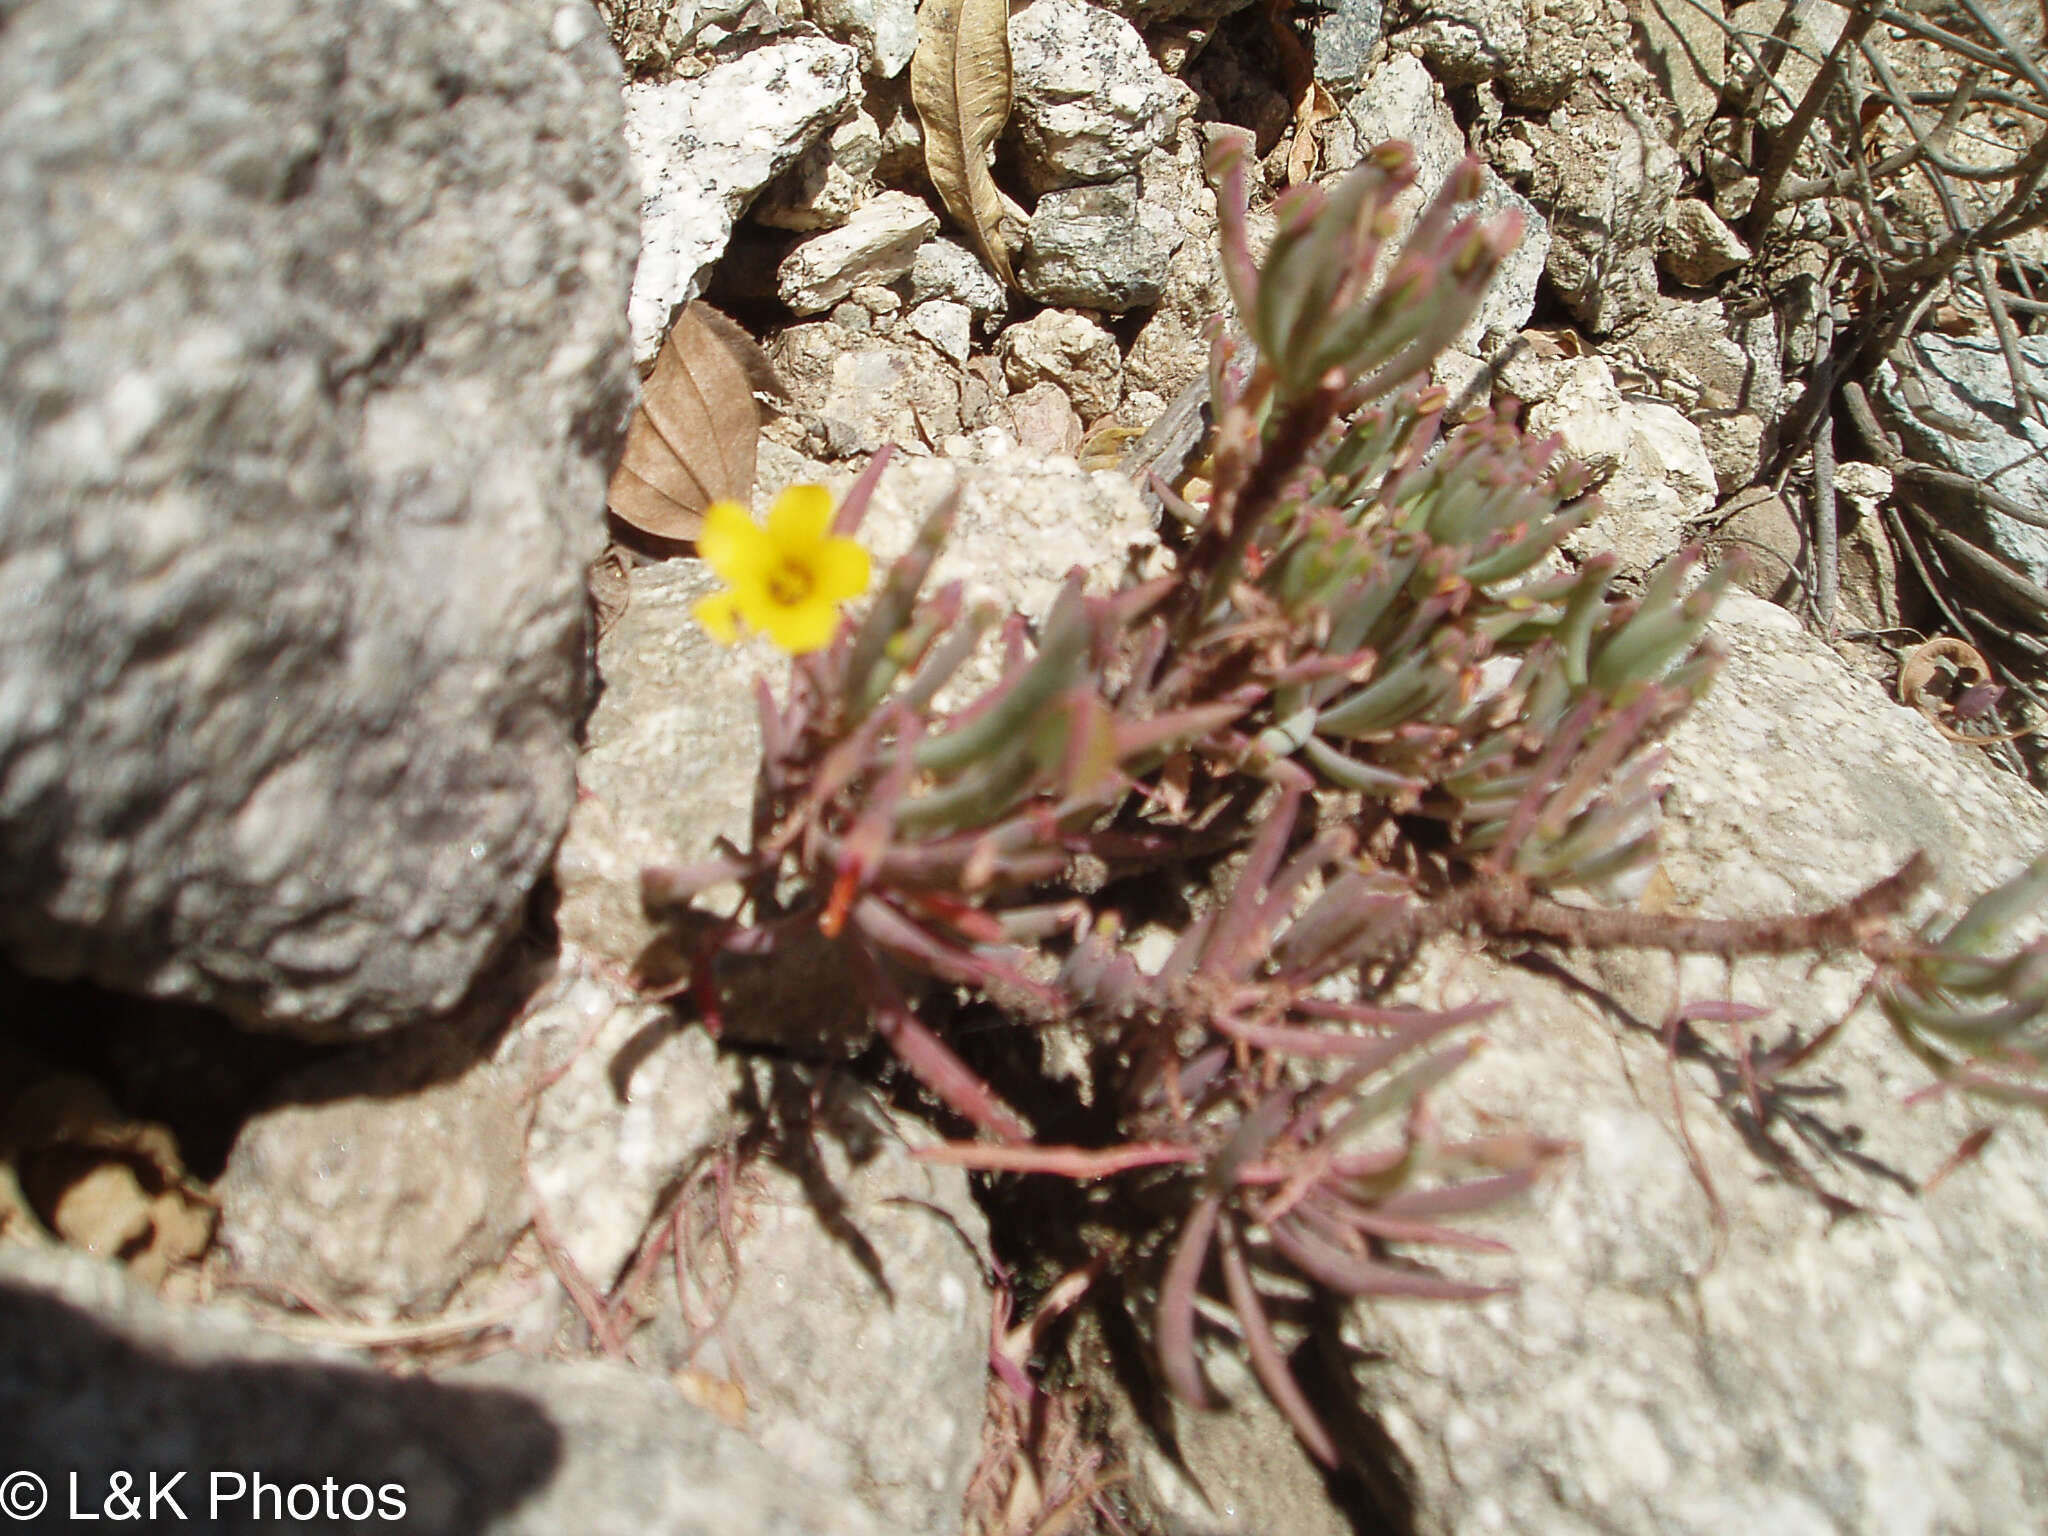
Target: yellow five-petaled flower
column 785, row 581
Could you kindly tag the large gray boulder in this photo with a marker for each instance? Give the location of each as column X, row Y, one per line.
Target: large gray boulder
column 101, row 1380
column 1683, row 1361
column 312, row 356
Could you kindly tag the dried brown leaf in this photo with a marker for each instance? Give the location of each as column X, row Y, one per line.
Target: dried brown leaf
column 961, row 84
column 695, row 435
column 1316, row 107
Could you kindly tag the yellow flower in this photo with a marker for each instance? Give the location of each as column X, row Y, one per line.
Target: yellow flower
column 785, row 581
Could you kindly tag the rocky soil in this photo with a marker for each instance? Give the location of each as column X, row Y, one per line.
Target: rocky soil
column 334, row 737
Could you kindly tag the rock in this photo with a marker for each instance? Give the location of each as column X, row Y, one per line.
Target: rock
column 1771, row 538
column 1580, row 43
column 901, row 163
column 103, row 1379
column 947, row 270
column 1868, row 585
column 639, row 1102
column 1866, row 485
column 1170, row 350
column 946, row 325
column 1100, row 248
column 705, row 146
column 1657, row 477
column 386, row 1181
column 1812, row 36
column 867, row 391
column 1951, row 402
column 1605, row 183
column 884, row 31
column 1172, row 346
column 1802, row 1371
column 1686, row 52
column 877, row 245
column 1197, row 17
column 1584, row 408
column 1043, row 422
column 878, row 299
column 1467, row 41
column 827, row 182
column 310, row 374
column 1236, row 1472
column 1697, row 247
column 382, row 1182
column 1342, row 40
column 1022, row 526
column 674, row 741
column 1090, row 102
column 859, row 1320
column 654, row 37
column 653, row 791
column 1722, row 373
column 1073, row 351
column 1400, row 101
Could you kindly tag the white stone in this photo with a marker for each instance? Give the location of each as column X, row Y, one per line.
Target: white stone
column 827, row 182
column 1090, row 102
column 1657, row 475
column 1864, row 484
column 706, row 146
column 1099, row 247
column 877, row 245
column 945, row 269
column 1606, row 183
column 946, row 325
column 1070, row 350
column 1698, row 246
column 885, row 31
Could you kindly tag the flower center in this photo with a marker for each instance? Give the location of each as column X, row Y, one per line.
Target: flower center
column 790, row 584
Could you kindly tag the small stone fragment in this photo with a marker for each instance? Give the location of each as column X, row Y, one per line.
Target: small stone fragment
column 1400, row 101
column 1466, row 41
column 877, row 245
column 827, row 182
column 1766, row 532
column 1655, row 467
column 1071, row 350
column 1722, row 373
column 946, row 325
column 1697, row 246
column 945, row 269
column 878, row 299
column 1100, row 248
column 1685, row 49
column 383, row 1186
column 1342, row 40
column 884, row 31
column 1042, row 420
column 860, row 1328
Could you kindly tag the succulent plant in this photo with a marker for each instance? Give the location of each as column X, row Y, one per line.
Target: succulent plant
column 1372, row 622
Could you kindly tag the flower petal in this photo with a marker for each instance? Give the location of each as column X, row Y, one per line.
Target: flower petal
column 734, row 545
column 803, row 627
column 719, row 614
column 799, row 520
column 840, row 569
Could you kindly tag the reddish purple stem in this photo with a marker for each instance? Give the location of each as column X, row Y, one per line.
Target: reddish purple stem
column 1177, row 1287
column 1268, row 1364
